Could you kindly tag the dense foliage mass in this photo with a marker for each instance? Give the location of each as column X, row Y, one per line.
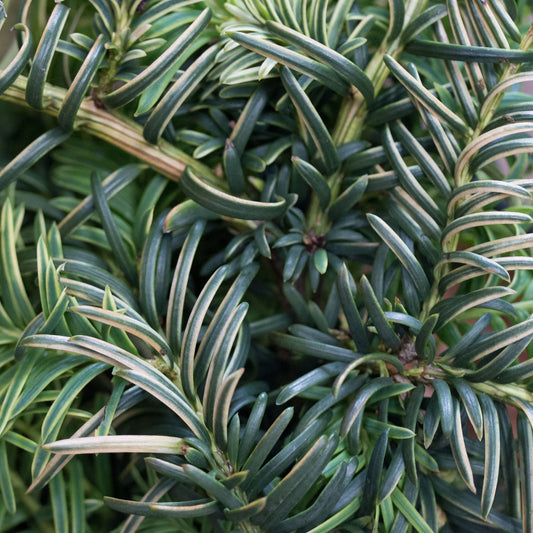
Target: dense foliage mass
column 265, row 266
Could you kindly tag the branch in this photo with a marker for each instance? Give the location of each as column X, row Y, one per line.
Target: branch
column 117, row 130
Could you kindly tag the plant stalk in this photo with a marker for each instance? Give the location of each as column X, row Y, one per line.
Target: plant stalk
column 467, row 176
column 352, row 114
column 118, row 131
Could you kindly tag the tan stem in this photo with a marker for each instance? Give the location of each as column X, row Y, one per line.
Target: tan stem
column 353, row 111
column 467, row 175
column 118, row 131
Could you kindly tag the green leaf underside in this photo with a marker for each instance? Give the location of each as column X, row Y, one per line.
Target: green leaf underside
column 224, row 204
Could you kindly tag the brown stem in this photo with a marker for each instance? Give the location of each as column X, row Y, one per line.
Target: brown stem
column 118, row 131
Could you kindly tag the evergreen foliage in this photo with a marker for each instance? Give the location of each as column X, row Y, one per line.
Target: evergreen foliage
column 265, row 266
